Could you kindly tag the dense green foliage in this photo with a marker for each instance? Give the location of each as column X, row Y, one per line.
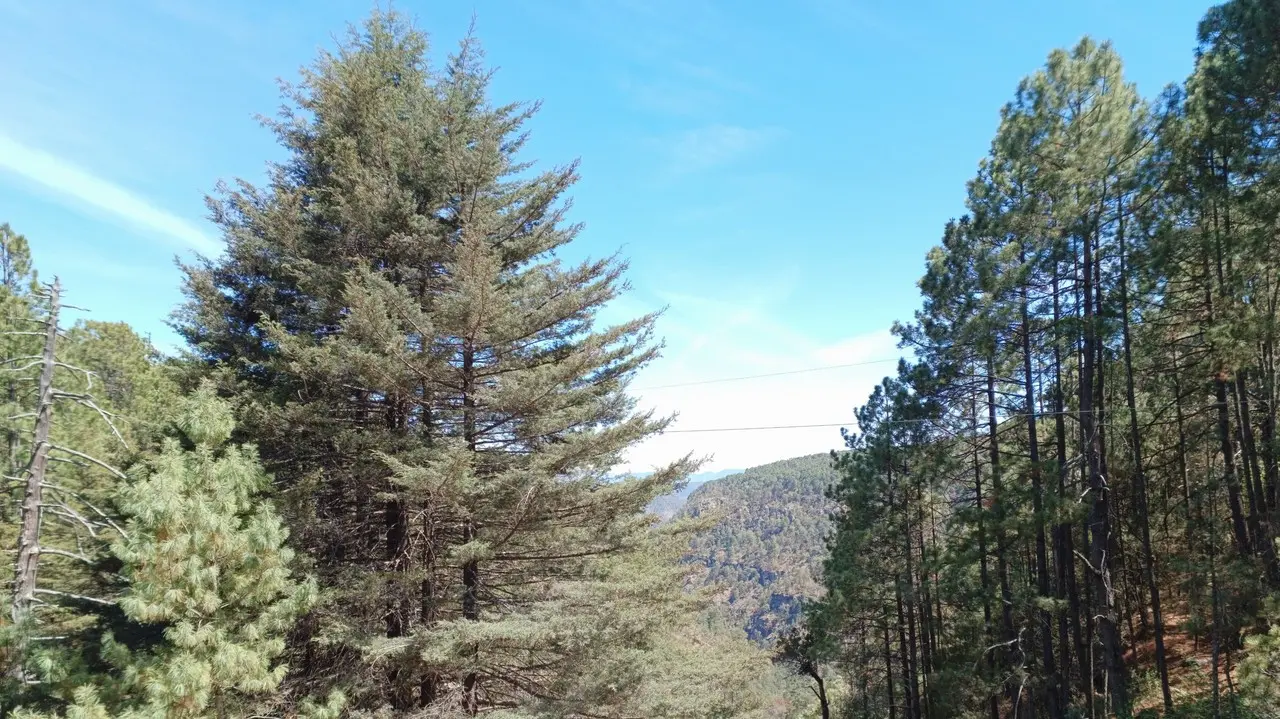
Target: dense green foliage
column 1067, row 504
column 204, row 561
column 763, row 556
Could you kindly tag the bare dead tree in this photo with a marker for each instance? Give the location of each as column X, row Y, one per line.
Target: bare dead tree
column 41, row 497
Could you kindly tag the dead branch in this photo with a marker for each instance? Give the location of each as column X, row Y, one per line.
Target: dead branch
column 105, row 517
column 64, row 553
column 79, row 597
column 95, row 460
column 86, row 400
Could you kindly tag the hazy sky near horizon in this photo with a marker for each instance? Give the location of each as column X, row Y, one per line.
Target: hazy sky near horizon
column 775, row 172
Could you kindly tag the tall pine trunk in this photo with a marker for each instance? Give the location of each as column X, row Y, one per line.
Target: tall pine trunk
column 1064, row 559
column 1037, row 497
column 984, row 577
column 1099, row 514
column 1008, row 637
column 1227, row 446
column 1140, row 480
column 888, row 671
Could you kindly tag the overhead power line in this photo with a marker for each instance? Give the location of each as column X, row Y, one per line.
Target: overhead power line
column 1003, row 417
column 756, row 429
column 767, row 374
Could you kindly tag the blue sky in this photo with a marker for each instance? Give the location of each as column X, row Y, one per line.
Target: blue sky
column 774, row 171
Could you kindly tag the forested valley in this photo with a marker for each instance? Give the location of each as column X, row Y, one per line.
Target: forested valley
column 380, row 479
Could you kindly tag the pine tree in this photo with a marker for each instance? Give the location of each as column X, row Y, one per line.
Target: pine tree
column 1260, row 668
column 802, row 650
column 210, row 588
column 429, row 384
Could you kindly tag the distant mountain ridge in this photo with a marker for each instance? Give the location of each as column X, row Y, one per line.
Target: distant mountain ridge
column 668, row 505
column 764, row 556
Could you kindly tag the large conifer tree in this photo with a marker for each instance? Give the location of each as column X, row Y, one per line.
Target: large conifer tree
column 430, row 386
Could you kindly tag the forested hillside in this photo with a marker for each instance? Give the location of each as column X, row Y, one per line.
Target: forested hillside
column 1067, row 505
column 763, row 556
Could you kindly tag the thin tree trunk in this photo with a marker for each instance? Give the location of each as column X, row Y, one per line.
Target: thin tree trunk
column 1099, row 515
column 1264, row 538
column 1002, row 562
column 429, row 685
column 12, row 467
column 1247, row 444
column 888, row 671
column 864, row 688
column 397, row 536
column 1085, row 642
column 906, row 613
column 396, row 555
column 904, row 656
column 1215, row 600
column 28, row 564
column 1268, row 410
column 1180, row 419
column 984, row 577
column 470, row 569
column 925, row 615
column 1140, row 482
column 1064, row 561
column 1230, row 478
column 1045, row 620
column 1251, row 491
column 939, row 627
column 821, row 691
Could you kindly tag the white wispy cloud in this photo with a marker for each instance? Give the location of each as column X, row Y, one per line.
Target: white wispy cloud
column 83, row 187
column 680, row 88
column 714, row 77
column 860, row 18
column 711, row 146
column 668, row 96
column 222, row 20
